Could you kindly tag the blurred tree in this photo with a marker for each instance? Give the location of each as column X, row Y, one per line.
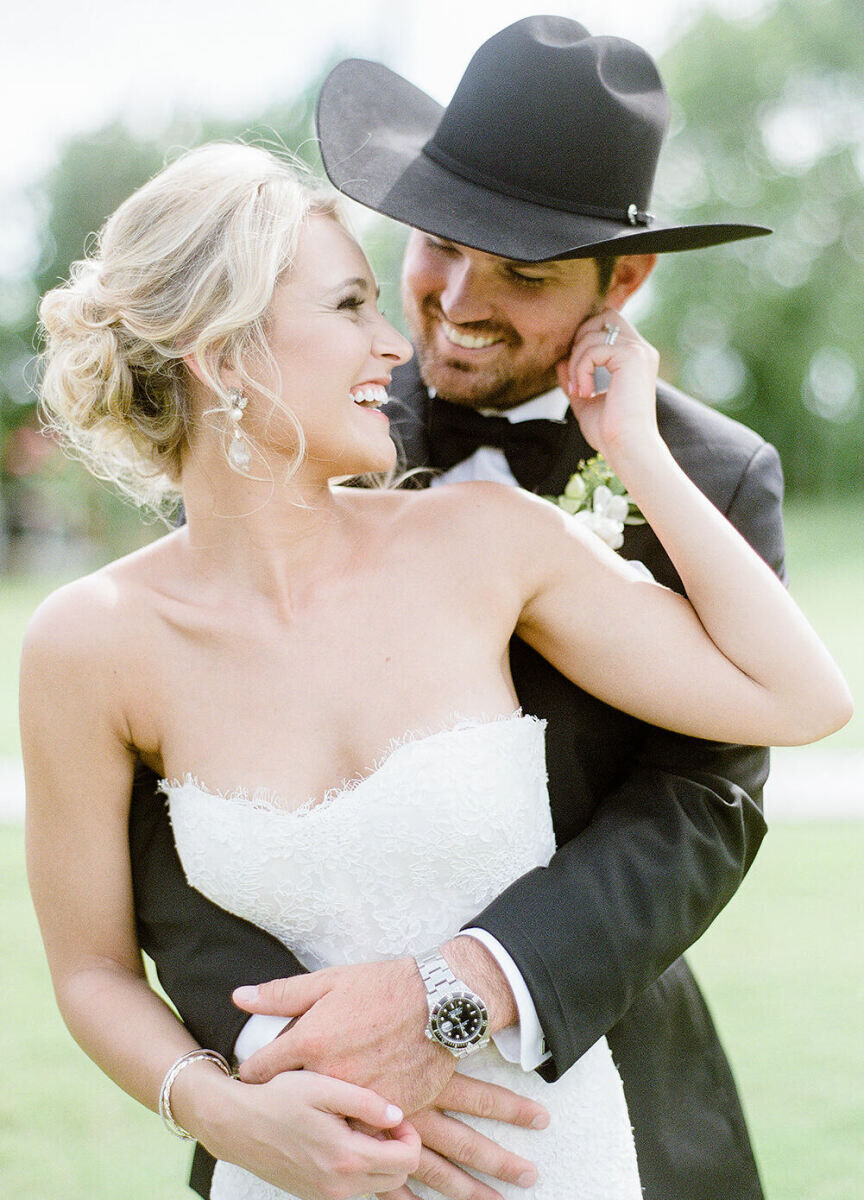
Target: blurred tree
column 768, row 128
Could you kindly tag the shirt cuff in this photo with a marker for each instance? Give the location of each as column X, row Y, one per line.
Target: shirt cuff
column 260, row 1030
column 523, row 1042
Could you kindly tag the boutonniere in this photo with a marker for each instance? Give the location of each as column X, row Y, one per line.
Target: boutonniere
column 597, row 497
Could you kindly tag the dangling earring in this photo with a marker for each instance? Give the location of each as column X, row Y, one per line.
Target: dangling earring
column 239, row 454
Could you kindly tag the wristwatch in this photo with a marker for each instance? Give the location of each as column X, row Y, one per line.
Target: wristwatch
column 458, row 1018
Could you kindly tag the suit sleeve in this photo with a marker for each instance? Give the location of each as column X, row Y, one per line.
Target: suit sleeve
column 201, row 952
column 660, row 857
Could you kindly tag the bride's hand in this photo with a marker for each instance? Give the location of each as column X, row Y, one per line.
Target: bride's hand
column 625, row 413
column 299, row 1132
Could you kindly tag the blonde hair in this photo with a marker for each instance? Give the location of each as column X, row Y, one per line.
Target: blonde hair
column 186, row 266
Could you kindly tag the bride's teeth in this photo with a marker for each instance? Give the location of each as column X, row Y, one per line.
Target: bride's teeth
column 375, row 395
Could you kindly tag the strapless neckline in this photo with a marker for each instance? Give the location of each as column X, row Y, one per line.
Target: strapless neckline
column 271, row 800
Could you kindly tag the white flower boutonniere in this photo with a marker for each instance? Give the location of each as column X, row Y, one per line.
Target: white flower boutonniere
column 596, row 496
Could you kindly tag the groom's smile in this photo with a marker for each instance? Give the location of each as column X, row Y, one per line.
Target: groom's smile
column 467, row 341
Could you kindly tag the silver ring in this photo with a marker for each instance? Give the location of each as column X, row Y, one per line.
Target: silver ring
column 612, row 332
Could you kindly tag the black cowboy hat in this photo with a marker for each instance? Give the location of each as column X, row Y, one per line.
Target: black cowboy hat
column 547, row 150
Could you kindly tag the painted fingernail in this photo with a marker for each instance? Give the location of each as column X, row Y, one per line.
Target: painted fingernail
column 246, row 995
column 527, row 1179
column 540, row 1121
column 393, row 1113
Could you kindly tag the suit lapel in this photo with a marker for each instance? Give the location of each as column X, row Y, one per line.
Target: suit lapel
column 571, row 452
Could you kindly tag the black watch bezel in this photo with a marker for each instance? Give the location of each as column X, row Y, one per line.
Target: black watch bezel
column 439, row 1010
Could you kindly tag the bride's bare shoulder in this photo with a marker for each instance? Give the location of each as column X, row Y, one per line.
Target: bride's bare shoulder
column 474, row 525
column 90, row 617
column 482, row 509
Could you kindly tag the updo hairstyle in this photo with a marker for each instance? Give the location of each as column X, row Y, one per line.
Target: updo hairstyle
column 187, row 265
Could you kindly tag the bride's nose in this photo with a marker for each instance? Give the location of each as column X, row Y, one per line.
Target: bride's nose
column 390, row 344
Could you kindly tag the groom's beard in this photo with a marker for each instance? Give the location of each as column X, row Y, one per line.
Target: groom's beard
column 509, row 372
column 501, row 376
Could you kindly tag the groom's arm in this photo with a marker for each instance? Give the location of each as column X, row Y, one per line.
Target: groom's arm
column 661, row 857
column 201, row 953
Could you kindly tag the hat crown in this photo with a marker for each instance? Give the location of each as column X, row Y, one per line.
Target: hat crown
column 545, row 112
column 547, row 150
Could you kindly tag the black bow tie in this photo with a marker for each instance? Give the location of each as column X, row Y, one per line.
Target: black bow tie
column 456, row 431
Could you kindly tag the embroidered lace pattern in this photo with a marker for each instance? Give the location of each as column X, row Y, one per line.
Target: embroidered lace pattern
column 392, row 864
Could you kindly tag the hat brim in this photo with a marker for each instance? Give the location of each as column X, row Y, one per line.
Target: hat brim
column 372, row 127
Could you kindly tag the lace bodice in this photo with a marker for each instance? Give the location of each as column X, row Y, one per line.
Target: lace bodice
column 457, row 814
column 393, row 864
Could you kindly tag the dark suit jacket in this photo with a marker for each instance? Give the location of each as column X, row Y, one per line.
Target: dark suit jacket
column 655, row 833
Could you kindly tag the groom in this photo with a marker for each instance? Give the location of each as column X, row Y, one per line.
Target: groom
column 534, row 186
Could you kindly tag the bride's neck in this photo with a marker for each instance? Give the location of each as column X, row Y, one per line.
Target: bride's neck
column 259, row 533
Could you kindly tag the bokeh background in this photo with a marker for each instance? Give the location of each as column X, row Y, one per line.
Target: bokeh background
column 768, row 126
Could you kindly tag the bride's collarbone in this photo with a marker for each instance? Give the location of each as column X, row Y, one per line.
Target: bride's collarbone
column 357, row 641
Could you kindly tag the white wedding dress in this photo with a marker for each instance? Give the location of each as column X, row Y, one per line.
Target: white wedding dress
column 393, row 864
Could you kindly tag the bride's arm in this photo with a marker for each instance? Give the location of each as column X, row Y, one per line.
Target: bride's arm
column 79, row 767
column 736, row 661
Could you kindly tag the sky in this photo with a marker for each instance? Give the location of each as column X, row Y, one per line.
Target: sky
column 72, row 67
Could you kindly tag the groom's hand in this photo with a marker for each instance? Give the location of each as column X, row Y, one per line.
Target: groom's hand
column 365, row 1024
column 448, row 1145
column 355, row 1023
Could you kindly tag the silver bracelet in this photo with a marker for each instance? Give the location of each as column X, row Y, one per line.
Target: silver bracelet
column 168, row 1082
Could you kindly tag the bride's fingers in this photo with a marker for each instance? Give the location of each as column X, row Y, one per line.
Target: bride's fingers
column 360, row 1104
column 584, row 364
column 627, row 354
column 592, row 348
column 386, row 1161
column 477, row 1098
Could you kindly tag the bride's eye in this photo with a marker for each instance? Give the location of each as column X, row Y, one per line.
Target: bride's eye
column 351, row 303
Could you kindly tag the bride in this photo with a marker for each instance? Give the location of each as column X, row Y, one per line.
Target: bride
column 353, row 787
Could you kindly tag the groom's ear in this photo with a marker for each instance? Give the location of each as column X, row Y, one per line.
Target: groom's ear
column 628, row 275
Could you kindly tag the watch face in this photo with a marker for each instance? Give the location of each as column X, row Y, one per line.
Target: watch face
column 459, row 1021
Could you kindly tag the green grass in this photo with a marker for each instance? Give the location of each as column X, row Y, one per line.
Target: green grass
column 826, row 576
column 66, row 1131
column 783, row 971
column 781, row 966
